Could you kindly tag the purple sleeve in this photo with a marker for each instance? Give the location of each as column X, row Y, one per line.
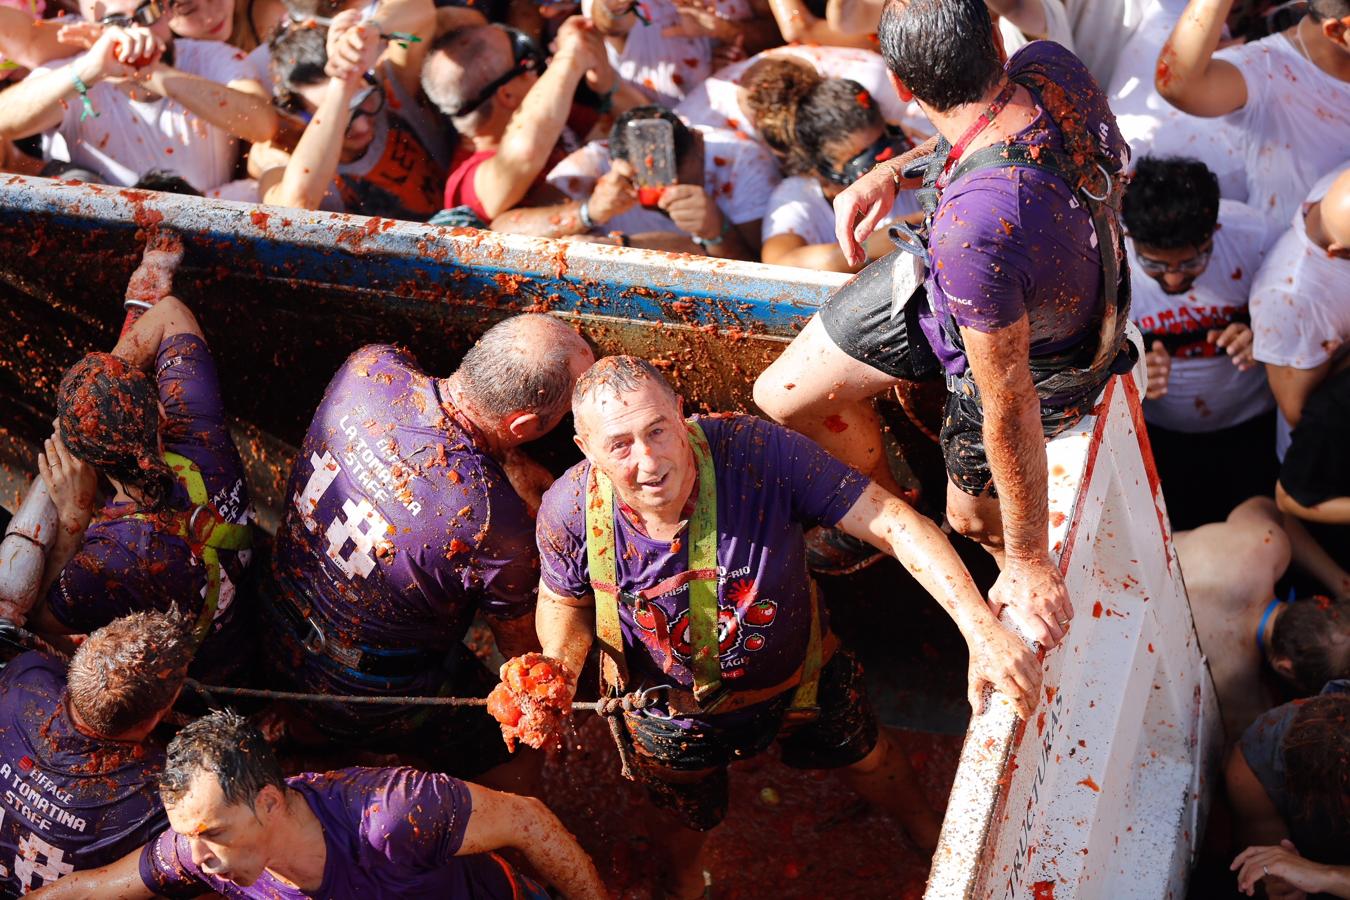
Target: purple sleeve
column 88, row 593
column 503, row 570
column 167, row 868
column 980, row 253
column 823, row 488
column 559, row 532
column 189, row 388
column 416, row 819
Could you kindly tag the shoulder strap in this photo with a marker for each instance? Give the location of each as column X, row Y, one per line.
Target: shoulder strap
column 600, row 553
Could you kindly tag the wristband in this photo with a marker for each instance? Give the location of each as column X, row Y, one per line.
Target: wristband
column 607, row 98
column 705, row 243
column 584, row 214
column 83, row 90
column 136, row 304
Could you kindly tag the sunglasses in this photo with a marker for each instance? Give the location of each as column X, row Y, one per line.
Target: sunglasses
column 526, row 55
column 367, row 102
column 147, row 14
column 1193, row 266
column 891, row 144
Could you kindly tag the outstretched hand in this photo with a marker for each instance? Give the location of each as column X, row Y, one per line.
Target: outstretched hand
column 1037, row 598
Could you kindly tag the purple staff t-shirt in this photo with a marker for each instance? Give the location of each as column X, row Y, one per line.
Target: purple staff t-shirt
column 70, row 801
column 772, row 485
column 129, row 564
column 387, row 832
column 398, row 526
column 1011, row 241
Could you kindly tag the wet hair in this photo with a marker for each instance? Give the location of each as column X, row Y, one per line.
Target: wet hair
column 774, row 89
column 166, row 181
column 1328, row 9
column 619, row 374
column 943, row 50
column 108, row 411
column 224, row 744
column 618, row 135
column 129, row 670
column 299, row 56
column 1317, row 773
column 70, row 172
column 1314, row 635
column 514, row 368
column 828, row 113
column 1171, row 202
column 449, row 91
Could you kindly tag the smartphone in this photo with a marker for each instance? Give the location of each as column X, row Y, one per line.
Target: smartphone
column 651, row 150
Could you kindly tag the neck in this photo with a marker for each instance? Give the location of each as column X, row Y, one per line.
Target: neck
column 953, row 123
column 1324, row 53
column 1312, row 223
column 132, row 736
column 495, row 444
column 299, row 852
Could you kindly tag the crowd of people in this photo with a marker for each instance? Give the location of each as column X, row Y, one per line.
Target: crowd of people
column 1032, row 195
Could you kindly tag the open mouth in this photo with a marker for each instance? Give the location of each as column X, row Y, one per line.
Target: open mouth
column 655, row 484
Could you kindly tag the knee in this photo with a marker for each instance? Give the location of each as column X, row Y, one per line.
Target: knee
column 976, row 526
column 876, row 759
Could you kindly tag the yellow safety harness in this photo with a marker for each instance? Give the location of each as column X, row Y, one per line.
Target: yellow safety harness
column 709, row 694
column 205, row 532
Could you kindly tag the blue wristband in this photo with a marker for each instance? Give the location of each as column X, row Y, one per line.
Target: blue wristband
column 83, row 90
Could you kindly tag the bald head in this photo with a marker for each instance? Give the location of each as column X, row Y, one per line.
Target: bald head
column 461, row 65
column 1335, row 208
column 525, row 364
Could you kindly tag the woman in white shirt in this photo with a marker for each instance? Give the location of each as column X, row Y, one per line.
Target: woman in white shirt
column 831, row 133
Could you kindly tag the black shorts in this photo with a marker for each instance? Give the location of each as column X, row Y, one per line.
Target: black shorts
column 857, row 317
column 844, row 733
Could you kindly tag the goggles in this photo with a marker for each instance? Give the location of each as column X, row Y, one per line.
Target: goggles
column 147, row 14
column 526, row 55
column 1193, row 266
column 891, row 144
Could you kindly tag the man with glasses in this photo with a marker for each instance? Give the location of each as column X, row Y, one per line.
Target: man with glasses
column 509, row 109
column 370, row 146
column 139, row 100
column 1210, row 415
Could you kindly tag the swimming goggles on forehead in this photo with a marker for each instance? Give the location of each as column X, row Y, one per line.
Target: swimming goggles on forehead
column 891, row 144
column 147, row 14
column 526, row 56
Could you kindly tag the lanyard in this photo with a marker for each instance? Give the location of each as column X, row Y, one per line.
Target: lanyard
column 984, row 121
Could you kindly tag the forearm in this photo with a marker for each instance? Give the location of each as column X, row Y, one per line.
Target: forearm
column 514, row 637
column 854, row 16
column 243, row 115
column 560, row 220
column 36, row 104
column 1015, row 445
column 564, row 630
column 1335, row 511
column 1187, row 74
column 69, row 538
column 1335, row 880
column 140, row 345
column 117, row 881
column 1027, row 15
column 313, row 165
column 798, row 25
column 555, row 854
column 821, row 257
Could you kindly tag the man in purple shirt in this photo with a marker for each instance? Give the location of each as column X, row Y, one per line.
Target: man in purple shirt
column 1024, row 316
column 76, row 760
column 242, row 830
column 404, row 519
column 678, row 544
column 148, row 418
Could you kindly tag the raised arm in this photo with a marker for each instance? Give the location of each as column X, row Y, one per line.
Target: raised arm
column 525, row 824
column 1188, row 76
column 1014, row 441
column 854, row 16
column 38, row 103
column 997, row 656
column 116, row 881
column 241, row 113
column 1028, row 15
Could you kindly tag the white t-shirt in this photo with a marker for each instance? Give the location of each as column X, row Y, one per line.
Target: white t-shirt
column 1152, row 126
column 1100, row 29
column 739, row 174
column 1301, row 298
column 798, row 206
column 1205, row 391
column 715, row 102
column 1296, row 124
column 128, row 138
column 666, row 69
column 1057, row 29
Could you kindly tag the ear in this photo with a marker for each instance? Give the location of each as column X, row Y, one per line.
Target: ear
column 270, row 801
column 1283, row 666
column 581, row 445
column 898, row 86
column 523, row 426
column 1340, row 251
column 1334, row 30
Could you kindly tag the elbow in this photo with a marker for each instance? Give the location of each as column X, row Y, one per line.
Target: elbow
column 261, row 127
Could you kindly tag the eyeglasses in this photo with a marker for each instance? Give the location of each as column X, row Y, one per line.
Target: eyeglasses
column 1193, row 266
column 367, row 102
column 147, row 14
column 526, row 55
column 891, row 144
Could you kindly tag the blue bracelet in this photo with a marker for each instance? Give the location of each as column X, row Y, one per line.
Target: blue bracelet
column 83, row 90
